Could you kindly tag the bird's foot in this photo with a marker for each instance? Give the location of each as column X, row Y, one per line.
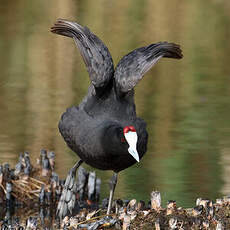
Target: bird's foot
column 68, row 196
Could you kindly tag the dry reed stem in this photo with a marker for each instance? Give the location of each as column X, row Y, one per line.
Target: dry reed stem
column 93, row 218
column 3, row 188
column 38, row 181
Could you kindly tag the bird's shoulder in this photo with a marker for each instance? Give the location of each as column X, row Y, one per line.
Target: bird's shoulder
column 72, row 117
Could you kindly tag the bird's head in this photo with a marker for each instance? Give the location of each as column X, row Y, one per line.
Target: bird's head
column 130, row 135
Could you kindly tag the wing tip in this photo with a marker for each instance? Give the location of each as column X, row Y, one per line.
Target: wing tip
column 174, row 50
column 61, row 26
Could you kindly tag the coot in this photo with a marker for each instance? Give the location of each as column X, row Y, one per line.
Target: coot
column 104, row 129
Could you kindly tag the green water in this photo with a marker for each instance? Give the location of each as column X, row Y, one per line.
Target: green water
column 185, row 103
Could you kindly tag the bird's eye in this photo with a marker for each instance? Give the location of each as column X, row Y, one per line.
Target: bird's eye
column 123, row 140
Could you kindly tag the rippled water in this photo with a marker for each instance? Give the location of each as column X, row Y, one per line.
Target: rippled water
column 185, row 103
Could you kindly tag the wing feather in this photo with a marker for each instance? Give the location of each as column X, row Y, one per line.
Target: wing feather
column 132, row 67
column 95, row 54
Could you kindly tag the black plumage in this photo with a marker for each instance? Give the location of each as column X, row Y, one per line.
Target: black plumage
column 96, row 129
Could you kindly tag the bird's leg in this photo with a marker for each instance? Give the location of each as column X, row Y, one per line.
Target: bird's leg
column 112, row 185
column 67, row 200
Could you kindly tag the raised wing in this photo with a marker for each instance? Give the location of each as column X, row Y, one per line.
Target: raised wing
column 132, row 67
column 95, row 54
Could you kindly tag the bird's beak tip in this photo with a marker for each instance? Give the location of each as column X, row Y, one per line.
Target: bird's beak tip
column 134, row 154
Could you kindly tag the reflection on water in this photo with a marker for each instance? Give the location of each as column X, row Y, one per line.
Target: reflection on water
column 185, row 103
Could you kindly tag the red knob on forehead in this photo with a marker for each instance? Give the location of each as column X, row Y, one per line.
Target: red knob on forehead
column 132, row 129
column 129, row 128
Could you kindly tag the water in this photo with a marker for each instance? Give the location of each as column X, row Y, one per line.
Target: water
column 185, row 103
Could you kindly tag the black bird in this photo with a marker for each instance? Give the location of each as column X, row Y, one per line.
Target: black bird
column 104, row 129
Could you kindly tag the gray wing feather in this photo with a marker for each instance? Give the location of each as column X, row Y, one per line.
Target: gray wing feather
column 132, row 67
column 95, row 54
